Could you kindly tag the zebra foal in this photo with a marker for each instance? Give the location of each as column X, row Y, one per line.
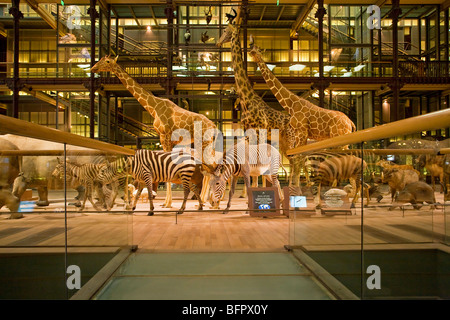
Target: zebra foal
column 159, row 166
column 245, row 160
column 86, row 174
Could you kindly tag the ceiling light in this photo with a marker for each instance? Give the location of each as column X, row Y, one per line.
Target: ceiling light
column 358, row 68
column 179, row 68
column 149, row 28
column 297, row 67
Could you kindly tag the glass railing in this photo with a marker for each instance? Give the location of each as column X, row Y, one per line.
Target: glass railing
column 390, row 239
column 58, row 227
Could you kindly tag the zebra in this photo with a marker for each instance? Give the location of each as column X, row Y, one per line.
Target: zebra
column 86, row 174
column 331, row 168
column 159, row 166
column 111, row 173
column 245, row 160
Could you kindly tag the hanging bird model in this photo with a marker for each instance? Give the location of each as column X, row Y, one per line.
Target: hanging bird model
column 230, row 16
column 205, row 37
column 208, row 15
column 187, row 36
column 252, row 41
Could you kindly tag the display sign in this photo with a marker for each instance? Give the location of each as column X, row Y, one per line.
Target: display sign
column 264, row 199
column 335, row 198
column 297, row 202
column 26, row 206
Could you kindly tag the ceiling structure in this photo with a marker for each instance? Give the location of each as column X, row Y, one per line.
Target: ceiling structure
column 262, row 14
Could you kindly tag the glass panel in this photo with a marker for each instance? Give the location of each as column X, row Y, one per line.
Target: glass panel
column 400, row 216
column 406, row 218
column 97, row 232
column 50, row 247
column 326, row 219
column 32, row 241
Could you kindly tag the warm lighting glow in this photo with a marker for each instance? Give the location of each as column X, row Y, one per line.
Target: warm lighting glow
column 386, row 111
column 149, row 28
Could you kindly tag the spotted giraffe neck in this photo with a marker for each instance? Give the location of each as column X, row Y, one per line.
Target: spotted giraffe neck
column 243, row 85
column 285, row 97
column 145, row 98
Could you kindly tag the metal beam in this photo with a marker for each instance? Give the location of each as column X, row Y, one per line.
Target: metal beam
column 153, row 15
column 45, row 97
column 445, row 5
column 301, row 17
column 3, row 31
column 281, row 12
column 134, row 15
column 47, row 17
column 262, row 13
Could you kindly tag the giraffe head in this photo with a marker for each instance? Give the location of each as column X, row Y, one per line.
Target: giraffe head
column 105, row 64
column 256, row 54
column 226, row 35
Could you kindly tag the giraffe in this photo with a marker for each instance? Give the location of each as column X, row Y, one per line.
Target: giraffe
column 255, row 112
column 307, row 119
column 168, row 119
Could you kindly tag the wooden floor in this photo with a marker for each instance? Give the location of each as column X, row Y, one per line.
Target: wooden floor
column 212, row 231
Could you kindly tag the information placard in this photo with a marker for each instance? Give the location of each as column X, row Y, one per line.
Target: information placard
column 265, row 199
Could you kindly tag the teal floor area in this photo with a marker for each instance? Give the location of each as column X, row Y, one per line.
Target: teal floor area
column 212, row 276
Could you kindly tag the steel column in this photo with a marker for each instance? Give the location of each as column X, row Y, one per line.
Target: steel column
column 93, row 15
column 320, row 14
column 17, row 14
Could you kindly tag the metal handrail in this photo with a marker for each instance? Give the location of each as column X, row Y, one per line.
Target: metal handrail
column 32, row 130
column 426, row 122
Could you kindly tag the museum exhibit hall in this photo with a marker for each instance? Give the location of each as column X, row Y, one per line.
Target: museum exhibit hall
column 271, row 150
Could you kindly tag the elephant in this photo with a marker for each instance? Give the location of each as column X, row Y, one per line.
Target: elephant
column 37, row 170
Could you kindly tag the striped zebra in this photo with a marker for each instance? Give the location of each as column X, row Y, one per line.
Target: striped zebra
column 159, row 166
column 245, row 160
column 331, row 168
column 86, row 174
column 112, row 173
